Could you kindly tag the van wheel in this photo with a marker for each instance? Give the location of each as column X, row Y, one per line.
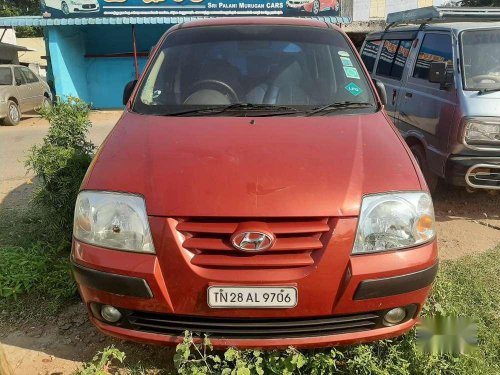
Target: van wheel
column 316, row 7
column 46, row 103
column 431, row 179
column 13, row 114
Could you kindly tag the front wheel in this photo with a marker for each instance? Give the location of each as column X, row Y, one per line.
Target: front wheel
column 316, row 7
column 431, row 179
column 65, row 8
column 13, row 114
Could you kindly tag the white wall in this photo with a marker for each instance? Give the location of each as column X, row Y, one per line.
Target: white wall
column 361, row 8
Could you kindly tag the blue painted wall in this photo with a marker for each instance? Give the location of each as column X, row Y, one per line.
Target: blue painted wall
column 97, row 80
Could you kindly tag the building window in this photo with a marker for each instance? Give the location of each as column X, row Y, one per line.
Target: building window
column 377, row 9
column 369, row 53
column 435, row 48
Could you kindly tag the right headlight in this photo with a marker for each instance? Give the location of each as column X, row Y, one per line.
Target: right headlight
column 394, row 221
column 113, row 220
column 482, row 131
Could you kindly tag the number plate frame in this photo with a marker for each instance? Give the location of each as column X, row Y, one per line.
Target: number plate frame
column 256, row 291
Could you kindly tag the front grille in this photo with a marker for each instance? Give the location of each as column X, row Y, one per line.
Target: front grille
column 209, row 242
column 88, row 6
column 485, row 176
column 175, row 325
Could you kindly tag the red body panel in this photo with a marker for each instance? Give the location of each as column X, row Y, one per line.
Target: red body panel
column 255, row 169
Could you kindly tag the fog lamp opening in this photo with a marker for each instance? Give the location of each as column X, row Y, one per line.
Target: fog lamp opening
column 395, row 316
column 110, row 314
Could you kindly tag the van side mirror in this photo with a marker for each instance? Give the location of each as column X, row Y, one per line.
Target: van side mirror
column 437, row 72
column 127, row 91
column 381, row 90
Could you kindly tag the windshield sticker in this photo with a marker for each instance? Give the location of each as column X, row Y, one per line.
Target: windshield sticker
column 346, row 61
column 354, row 89
column 351, row 72
column 343, row 53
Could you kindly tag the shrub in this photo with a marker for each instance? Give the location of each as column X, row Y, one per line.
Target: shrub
column 36, row 269
column 62, row 160
column 102, row 361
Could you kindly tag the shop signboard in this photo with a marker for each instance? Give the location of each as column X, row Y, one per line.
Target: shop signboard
column 173, row 8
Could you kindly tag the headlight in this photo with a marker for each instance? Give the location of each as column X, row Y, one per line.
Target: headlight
column 482, row 131
column 394, row 221
column 114, row 220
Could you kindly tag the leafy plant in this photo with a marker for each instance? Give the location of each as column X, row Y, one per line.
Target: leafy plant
column 62, row 160
column 102, row 361
column 38, row 268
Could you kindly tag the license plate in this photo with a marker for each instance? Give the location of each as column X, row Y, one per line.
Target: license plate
column 252, row 297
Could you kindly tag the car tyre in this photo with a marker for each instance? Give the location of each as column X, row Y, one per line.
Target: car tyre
column 13, row 114
column 316, row 7
column 65, row 9
column 431, row 178
column 46, row 103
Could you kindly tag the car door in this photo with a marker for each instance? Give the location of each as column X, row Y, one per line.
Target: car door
column 36, row 88
column 426, row 109
column 23, row 90
column 390, row 67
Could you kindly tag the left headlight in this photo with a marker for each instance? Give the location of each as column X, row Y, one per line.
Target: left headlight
column 394, row 221
column 482, row 131
column 113, row 220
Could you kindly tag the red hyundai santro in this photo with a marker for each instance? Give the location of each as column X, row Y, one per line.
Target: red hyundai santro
column 254, row 190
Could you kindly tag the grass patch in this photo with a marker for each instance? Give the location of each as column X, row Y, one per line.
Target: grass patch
column 468, row 287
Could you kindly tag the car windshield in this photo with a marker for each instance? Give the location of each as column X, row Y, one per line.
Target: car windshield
column 267, row 69
column 5, row 76
column 481, row 59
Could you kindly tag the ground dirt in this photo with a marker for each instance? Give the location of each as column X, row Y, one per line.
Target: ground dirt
column 39, row 342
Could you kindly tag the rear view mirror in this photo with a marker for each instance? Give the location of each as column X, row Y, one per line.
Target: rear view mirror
column 381, row 91
column 127, row 91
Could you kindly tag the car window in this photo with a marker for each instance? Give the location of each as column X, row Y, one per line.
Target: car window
column 393, row 58
column 29, row 75
column 369, row 53
column 434, row 48
column 5, row 76
column 19, row 77
column 258, row 65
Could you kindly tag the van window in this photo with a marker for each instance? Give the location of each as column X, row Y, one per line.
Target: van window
column 18, row 75
column 272, row 66
column 435, row 48
column 481, row 59
column 393, row 58
column 369, row 53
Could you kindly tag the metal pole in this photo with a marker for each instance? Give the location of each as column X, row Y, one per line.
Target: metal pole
column 135, row 54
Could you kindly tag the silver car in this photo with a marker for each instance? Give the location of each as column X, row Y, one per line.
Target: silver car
column 21, row 91
column 442, row 83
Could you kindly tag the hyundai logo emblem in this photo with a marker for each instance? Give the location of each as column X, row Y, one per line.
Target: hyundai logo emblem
column 252, row 241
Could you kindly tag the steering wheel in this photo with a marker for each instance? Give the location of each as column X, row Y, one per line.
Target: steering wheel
column 213, row 84
column 485, row 77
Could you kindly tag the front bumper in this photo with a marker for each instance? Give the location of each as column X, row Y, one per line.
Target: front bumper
column 462, row 171
column 337, row 286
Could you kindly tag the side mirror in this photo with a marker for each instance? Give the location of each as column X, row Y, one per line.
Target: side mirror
column 437, row 72
column 381, row 91
column 127, row 91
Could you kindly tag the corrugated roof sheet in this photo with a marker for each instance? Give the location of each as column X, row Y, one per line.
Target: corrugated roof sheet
column 40, row 21
column 14, row 47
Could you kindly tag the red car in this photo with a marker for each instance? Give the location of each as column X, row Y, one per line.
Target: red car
column 254, row 190
column 314, row 6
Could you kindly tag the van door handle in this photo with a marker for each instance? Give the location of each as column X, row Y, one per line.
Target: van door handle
column 394, row 96
column 409, row 95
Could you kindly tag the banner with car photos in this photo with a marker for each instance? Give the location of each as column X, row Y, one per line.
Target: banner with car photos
column 173, row 8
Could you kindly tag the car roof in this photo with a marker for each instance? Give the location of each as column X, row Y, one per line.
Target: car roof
column 449, row 26
column 271, row 21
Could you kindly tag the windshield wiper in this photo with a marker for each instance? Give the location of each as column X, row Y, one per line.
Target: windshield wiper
column 236, row 107
column 486, row 91
column 337, row 106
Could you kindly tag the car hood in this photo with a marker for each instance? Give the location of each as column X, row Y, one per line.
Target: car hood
column 260, row 167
